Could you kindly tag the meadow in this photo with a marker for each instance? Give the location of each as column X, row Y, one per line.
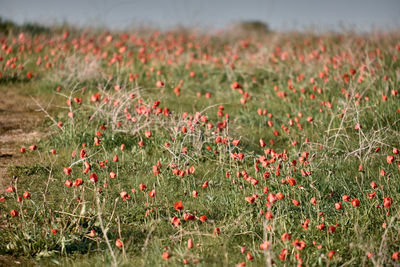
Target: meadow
column 204, row 149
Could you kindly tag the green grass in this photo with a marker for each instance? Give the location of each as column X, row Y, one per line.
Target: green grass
column 335, row 150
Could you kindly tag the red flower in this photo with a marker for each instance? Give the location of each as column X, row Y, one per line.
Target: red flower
column 14, row 213
column 285, row 237
column 67, row 171
column 396, row 256
column 300, row 245
column 346, row 198
column 313, row 201
column 93, row 178
column 262, row 143
column 271, row 198
column 264, row 245
column 249, row 256
column 175, row 221
column 387, row 202
column 152, row 193
column 178, row 205
column 78, row 182
column 235, row 142
column 250, row 199
column 190, row 243
column 355, row 202
column 283, row 254
column 373, row 185
column 389, row 159
column 188, row 217
column 142, row 187
column 269, row 215
column 203, row 218
column 217, row 231
column 295, row 202
column 148, row 134
column 119, row 243
column 331, row 253
column 166, row 255
column 10, row 189
column 32, row 147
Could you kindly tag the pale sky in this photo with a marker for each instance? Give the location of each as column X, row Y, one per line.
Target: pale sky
column 214, row 14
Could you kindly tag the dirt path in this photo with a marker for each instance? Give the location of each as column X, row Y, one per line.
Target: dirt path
column 19, row 120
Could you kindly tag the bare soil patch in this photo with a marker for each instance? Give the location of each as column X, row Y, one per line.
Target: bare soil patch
column 19, row 123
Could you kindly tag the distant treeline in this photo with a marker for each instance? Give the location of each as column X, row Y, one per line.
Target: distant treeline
column 8, row 26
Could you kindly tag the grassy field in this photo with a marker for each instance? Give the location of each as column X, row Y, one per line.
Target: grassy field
column 202, row 149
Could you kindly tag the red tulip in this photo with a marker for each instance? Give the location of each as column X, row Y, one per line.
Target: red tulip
column 190, row 243
column 178, row 205
column 387, row 202
column 264, row 245
column 68, row 183
column 14, row 213
column 119, row 243
column 262, row 143
column 93, row 178
column 355, row 202
column 203, row 218
column 166, row 255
